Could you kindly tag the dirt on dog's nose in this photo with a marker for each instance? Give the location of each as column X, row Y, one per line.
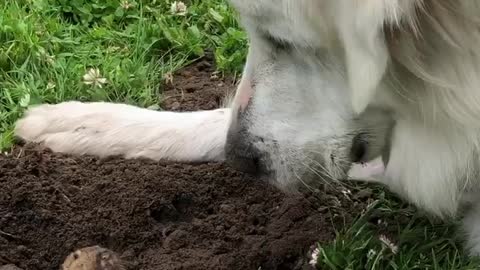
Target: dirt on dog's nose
column 241, row 154
column 92, row 258
column 359, row 148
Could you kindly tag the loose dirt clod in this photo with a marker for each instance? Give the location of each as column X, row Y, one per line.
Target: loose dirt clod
column 92, row 258
column 9, row 267
column 158, row 215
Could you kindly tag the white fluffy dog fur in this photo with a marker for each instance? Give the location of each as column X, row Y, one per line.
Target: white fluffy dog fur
column 403, row 73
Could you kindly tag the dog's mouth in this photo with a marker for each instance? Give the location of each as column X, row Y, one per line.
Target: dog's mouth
column 362, row 169
column 367, row 170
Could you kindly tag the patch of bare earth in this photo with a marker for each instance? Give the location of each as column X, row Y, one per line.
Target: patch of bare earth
column 159, row 215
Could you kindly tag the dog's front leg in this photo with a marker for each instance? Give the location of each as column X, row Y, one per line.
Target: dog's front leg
column 108, row 129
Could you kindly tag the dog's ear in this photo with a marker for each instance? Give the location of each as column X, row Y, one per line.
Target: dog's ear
column 366, row 54
column 366, row 59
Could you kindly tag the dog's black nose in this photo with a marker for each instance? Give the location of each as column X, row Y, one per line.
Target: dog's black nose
column 241, row 152
column 242, row 155
column 359, row 148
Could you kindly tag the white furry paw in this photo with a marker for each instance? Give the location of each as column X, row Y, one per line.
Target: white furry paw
column 106, row 129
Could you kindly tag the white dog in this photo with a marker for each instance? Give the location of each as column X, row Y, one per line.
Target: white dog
column 327, row 83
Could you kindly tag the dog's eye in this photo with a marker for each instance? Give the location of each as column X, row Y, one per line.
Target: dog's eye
column 277, row 43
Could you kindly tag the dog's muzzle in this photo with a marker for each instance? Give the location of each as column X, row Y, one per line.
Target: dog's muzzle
column 241, row 148
column 242, row 154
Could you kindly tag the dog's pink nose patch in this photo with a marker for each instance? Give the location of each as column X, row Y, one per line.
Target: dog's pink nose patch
column 244, row 93
column 368, row 171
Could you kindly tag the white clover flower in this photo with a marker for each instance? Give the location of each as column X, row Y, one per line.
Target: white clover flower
column 51, row 85
column 389, row 244
column 126, row 5
column 371, row 254
column 168, row 77
column 93, row 77
column 43, row 54
column 313, row 261
column 178, row 8
column 112, row 49
column 50, row 59
column 346, row 192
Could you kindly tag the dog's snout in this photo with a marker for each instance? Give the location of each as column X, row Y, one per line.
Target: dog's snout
column 242, row 155
column 359, row 148
column 241, row 152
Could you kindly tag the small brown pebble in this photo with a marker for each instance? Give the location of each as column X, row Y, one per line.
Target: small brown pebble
column 92, row 258
column 22, row 248
column 10, row 267
column 176, row 240
column 227, row 208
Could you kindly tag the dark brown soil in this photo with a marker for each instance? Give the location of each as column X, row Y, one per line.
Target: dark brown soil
column 196, row 87
column 159, row 215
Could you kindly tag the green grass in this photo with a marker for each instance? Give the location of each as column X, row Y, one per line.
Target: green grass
column 47, row 46
column 414, row 241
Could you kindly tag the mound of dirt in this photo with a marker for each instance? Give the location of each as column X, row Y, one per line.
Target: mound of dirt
column 158, row 215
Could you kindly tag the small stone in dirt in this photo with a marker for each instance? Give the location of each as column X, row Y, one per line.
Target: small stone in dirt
column 10, row 267
column 92, row 258
column 176, row 240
